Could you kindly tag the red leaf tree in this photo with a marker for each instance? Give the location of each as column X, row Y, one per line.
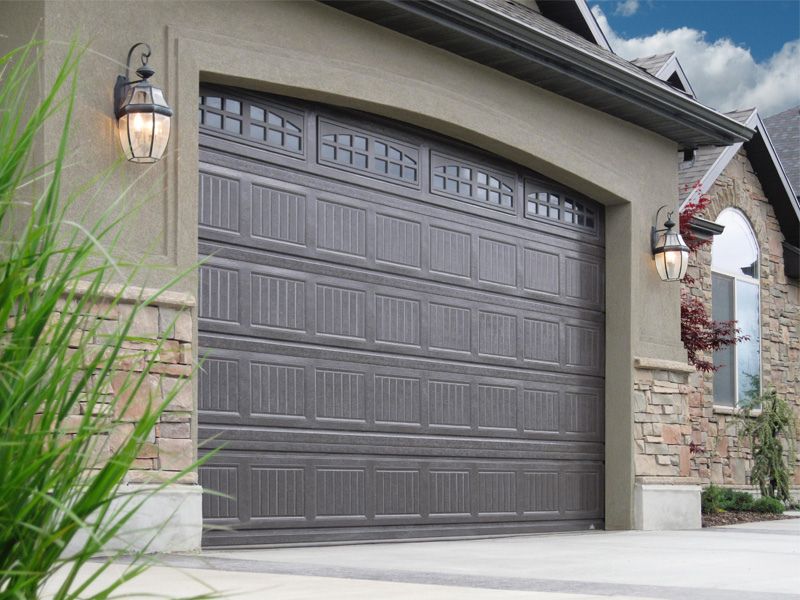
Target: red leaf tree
column 699, row 332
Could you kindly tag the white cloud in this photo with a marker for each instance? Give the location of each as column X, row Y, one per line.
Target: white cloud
column 724, row 75
column 627, row 8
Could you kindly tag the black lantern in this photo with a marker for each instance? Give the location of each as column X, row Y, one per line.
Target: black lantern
column 143, row 115
column 670, row 252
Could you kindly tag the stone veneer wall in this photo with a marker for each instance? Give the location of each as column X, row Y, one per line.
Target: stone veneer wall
column 661, row 421
column 721, row 456
column 170, row 447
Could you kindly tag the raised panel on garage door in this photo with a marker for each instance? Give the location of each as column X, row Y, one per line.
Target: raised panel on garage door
column 402, row 335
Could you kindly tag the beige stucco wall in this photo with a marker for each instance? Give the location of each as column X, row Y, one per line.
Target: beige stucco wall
column 315, row 52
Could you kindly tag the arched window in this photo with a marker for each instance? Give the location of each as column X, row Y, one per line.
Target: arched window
column 735, row 294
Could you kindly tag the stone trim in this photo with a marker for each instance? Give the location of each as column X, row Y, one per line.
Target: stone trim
column 133, row 294
column 658, row 364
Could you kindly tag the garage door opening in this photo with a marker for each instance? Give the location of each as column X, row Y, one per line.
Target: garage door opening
column 403, row 336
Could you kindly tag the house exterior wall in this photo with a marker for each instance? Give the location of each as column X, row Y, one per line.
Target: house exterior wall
column 311, row 51
column 723, row 458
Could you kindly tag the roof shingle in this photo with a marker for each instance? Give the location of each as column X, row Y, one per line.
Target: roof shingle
column 784, row 131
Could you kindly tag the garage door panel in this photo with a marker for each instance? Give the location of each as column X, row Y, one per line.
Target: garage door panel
column 344, row 230
column 237, row 259
column 402, row 336
column 289, row 491
column 276, row 390
column 260, row 301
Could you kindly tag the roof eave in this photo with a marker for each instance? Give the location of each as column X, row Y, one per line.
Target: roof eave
column 721, row 129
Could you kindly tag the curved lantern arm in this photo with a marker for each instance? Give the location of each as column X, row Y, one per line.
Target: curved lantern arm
column 123, row 81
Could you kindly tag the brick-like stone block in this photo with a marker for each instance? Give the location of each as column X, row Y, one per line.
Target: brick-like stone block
column 130, row 403
column 671, row 434
column 175, row 454
column 174, row 430
column 182, row 389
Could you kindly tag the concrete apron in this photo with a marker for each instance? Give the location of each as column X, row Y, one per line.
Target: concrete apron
column 755, row 561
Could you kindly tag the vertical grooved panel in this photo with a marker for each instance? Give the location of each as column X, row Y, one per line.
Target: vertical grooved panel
column 341, row 228
column 541, row 341
column 277, row 390
column 450, row 327
column 278, row 215
column 277, row 492
column 397, row 492
column 498, row 262
column 540, row 411
column 341, row 311
column 497, row 334
column 340, row 395
column 582, row 347
column 497, row 406
column 497, row 492
column 583, row 413
column 277, row 302
column 218, row 207
column 218, row 388
column 397, row 320
column 220, row 488
column 540, row 492
column 582, row 280
column 449, row 403
column 541, row 271
column 340, row 492
column 583, row 491
column 219, row 294
column 450, row 251
column 397, row 241
column 397, row 399
column 449, row 492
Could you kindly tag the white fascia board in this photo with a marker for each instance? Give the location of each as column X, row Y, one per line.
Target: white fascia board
column 673, row 67
column 597, row 33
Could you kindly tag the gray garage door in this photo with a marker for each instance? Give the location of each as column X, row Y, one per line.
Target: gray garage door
column 403, row 335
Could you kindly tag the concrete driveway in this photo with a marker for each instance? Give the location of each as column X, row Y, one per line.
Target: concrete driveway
column 754, row 561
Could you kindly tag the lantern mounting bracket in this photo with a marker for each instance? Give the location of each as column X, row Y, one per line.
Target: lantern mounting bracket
column 654, row 230
column 145, row 72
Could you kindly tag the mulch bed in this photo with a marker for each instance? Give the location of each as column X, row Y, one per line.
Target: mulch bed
column 732, row 518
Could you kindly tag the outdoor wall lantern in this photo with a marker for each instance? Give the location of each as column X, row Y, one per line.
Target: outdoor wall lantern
column 670, row 252
column 143, row 115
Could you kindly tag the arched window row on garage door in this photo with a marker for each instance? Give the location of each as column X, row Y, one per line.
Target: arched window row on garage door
column 284, row 129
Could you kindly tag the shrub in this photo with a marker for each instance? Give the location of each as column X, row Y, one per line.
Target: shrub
column 711, row 500
column 734, row 500
column 766, row 504
column 772, row 435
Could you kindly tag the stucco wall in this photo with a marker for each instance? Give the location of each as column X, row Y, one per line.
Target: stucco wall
column 723, row 457
column 312, row 51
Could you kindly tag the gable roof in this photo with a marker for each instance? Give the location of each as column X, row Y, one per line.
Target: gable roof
column 519, row 41
column 710, row 161
column 784, row 131
column 577, row 17
column 666, row 67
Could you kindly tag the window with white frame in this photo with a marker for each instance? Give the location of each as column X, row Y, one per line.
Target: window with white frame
column 735, row 294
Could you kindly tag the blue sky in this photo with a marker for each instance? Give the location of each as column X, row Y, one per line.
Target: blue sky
column 736, row 53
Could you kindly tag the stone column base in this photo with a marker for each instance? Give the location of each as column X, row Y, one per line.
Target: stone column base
column 663, row 506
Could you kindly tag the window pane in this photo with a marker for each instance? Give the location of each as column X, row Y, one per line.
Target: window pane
column 722, row 310
column 735, row 250
column 748, row 352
